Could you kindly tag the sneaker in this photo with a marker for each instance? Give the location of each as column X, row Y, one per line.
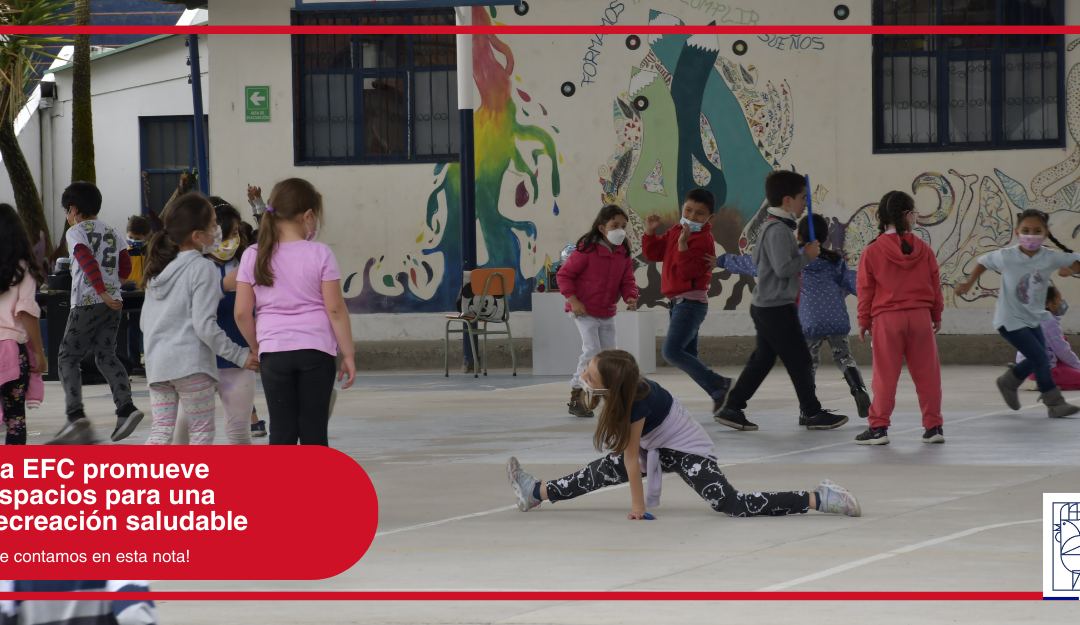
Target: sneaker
column 1029, row 385
column 719, row 394
column 523, row 485
column 802, row 418
column 577, row 405
column 333, row 400
column 75, row 432
column 837, row 500
column 933, row 435
column 825, row 420
column 258, row 429
column 734, row 419
column 873, row 436
column 127, row 419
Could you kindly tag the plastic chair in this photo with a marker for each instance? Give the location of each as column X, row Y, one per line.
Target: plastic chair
column 497, row 281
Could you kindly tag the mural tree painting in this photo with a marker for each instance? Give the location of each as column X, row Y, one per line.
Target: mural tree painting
column 496, row 133
column 692, row 118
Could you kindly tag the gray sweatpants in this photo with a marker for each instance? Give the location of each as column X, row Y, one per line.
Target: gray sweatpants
column 841, row 351
column 597, row 334
column 92, row 329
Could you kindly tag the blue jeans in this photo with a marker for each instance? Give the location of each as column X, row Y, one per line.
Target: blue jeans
column 680, row 346
column 1031, row 343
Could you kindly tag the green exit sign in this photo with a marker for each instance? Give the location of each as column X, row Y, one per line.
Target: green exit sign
column 256, row 104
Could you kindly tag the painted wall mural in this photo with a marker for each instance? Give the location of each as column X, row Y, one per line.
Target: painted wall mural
column 980, row 219
column 691, row 117
column 496, row 133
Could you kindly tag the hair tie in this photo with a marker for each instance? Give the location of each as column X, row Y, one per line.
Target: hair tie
column 269, row 208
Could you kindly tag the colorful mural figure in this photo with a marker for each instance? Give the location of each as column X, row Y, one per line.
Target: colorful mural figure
column 496, row 132
column 960, row 229
column 692, row 118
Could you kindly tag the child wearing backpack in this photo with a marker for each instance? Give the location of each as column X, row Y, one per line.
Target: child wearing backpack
column 599, row 270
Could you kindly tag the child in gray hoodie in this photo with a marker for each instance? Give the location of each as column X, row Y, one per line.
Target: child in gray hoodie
column 179, row 321
column 775, row 312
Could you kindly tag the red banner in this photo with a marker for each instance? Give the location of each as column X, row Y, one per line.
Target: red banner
column 201, row 513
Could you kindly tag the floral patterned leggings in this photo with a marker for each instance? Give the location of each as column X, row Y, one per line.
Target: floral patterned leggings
column 700, row 473
column 13, row 396
column 196, row 392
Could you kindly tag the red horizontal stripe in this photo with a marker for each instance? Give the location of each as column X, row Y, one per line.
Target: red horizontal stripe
column 642, row 29
column 528, row 596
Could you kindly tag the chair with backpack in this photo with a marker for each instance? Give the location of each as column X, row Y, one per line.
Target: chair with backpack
column 491, row 306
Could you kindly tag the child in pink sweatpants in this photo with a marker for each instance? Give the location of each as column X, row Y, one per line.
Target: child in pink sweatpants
column 900, row 304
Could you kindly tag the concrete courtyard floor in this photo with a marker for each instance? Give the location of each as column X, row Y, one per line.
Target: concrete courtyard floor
column 436, row 449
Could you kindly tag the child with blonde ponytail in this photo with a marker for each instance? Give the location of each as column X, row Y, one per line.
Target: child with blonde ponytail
column 291, row 284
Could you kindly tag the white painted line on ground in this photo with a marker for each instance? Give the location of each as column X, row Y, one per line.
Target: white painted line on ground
column 611, row 488
column 889, row 554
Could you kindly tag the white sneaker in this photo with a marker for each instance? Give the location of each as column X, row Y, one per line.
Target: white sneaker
column 1029, row 385
column 523, row 485
column 837, row 499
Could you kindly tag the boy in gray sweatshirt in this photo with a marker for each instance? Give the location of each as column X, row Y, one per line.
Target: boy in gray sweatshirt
column 775, row 313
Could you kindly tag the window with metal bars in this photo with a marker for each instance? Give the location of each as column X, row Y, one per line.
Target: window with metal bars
column 375, row 98
column 968, row 92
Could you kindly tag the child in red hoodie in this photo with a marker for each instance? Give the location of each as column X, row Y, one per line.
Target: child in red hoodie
column 685, row 281
column 599, row 270
column 900, row 305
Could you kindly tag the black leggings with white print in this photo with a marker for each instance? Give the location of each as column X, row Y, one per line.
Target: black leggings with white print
column 702, row 474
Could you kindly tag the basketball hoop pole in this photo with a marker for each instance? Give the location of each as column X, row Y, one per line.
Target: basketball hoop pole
column 468, row 154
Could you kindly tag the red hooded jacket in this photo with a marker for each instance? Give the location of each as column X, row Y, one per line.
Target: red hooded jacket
column 891, row 280
column 682, row 271
column 597, row 277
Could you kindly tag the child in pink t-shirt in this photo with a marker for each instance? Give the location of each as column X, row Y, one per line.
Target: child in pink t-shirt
column 293, row 287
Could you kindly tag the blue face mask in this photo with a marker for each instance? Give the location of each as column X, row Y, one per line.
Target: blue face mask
column 1063, row 308
column 692, row 225
column 135, row 243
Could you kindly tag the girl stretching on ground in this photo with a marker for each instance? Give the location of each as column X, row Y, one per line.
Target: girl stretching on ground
column 1021, row 305
column 648, row 431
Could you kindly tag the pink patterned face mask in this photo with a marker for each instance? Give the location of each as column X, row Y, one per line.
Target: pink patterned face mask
column 1030, row 242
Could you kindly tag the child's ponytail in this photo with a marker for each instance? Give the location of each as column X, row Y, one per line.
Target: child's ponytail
column 892, row 210
column 620, row 374
column 821, row 233
column 289, row 199
column 186, row 214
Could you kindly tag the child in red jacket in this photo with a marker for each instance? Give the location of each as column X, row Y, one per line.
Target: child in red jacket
column 900, row 305
column 592, row 279
column 685, row 282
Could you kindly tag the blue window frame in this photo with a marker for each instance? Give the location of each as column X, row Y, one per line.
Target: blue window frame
column 368, row 98
column 167, row 148
column 968, row 92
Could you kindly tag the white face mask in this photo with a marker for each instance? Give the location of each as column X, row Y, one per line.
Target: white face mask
column 616, row 237
column 210, row 249
column 693, row 225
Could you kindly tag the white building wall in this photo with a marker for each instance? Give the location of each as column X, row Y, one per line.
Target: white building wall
column 149, row 80
column 376, row 213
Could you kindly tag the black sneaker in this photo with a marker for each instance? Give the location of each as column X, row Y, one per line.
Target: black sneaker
column 127, row 419
column 802, row 418
column 873, row 436
column 933, row 435
column 734, row 419
column 76, row 431
column 719, row 394
column 825, row 420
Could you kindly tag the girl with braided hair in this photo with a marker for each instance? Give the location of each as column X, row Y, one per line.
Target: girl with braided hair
column 900, row 304
column 1021, row 307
